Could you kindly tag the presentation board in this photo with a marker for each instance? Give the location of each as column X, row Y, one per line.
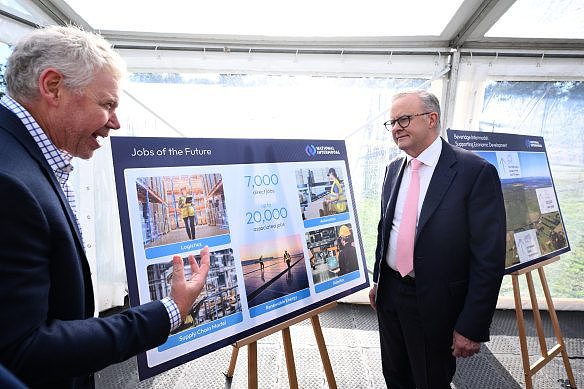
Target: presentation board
column 279, row 219
column 535, row 228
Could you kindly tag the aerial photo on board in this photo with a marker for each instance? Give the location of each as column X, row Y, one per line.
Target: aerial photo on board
column 534, row 223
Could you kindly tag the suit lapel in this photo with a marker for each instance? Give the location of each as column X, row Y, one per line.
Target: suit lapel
column 13, row 125
column 391, row 189
column 393, row 179
column 442, row 178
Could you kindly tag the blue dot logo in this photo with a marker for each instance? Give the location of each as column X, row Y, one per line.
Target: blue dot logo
column 310, row 150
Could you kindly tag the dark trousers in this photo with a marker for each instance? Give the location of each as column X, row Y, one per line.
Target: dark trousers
column 190, row 226
column 409, row 359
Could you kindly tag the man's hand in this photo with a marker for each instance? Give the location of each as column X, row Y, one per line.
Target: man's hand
column 183, row 292
column 372, row 293
column 464, row 347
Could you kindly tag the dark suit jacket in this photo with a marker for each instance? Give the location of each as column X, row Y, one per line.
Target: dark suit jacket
column 459, row 252
column 47, row 331
column 8, row 380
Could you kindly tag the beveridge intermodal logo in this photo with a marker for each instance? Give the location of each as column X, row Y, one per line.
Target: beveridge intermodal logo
column 313, row 150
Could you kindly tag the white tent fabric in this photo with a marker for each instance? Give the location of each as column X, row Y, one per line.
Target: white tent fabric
column 457, row 63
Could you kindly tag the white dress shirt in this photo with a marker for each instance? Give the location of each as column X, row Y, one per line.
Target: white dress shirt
column 429, row 159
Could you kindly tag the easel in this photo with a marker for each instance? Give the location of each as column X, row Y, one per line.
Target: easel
column 546, row 356
column 252, row 353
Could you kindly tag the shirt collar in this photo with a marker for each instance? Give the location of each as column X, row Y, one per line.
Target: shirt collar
column 59, row 161
column 430, row 156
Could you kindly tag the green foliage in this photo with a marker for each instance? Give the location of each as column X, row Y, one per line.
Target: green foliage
column 512, row 89
column 368, row 213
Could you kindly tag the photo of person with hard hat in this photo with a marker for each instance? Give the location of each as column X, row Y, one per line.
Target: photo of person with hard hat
column 332, row 253
column 347, row 253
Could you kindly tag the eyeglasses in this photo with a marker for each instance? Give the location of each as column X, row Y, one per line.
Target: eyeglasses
column 403, row 121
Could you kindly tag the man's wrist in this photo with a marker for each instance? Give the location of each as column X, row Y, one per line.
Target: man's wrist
column 173, row 313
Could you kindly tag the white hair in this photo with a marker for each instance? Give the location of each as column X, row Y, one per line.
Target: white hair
column 77, row 54
column 429, row 101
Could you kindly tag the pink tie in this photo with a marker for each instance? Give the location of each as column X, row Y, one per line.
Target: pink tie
column 407, row 227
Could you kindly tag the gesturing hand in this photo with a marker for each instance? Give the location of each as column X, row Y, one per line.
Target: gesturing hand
column 183, row 292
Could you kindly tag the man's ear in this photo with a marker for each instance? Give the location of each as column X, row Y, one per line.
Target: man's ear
column 51, row 86
column 433, row 116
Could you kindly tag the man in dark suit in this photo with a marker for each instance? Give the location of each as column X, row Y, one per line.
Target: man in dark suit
column 436, row 286
column 63, row 90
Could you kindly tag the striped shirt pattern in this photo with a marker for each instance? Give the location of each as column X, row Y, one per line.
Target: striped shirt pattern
column 59, row 161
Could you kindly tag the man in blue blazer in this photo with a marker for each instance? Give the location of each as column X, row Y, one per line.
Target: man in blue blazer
column 441, row 304
column 63, row 91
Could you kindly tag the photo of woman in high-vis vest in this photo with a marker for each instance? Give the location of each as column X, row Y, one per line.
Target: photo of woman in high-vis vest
column 336, row 200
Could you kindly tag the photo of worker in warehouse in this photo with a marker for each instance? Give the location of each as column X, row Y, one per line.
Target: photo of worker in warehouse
column 181, row 208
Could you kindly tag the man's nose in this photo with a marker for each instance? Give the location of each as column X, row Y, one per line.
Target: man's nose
column 113, row 122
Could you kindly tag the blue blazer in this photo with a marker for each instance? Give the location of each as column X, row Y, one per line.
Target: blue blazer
column 459, row 252
column 48, row 335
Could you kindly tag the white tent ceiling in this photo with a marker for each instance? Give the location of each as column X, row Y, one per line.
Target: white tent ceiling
column 425, row 39
column 322, row 26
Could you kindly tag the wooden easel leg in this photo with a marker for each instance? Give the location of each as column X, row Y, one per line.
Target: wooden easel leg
column 546, row 355
column 556, row 326
column 252, row 354
column 326, row 362
column 536, row 315
column 289, row 354
column 232, row 362
column 252, row 365
column 521, row 329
